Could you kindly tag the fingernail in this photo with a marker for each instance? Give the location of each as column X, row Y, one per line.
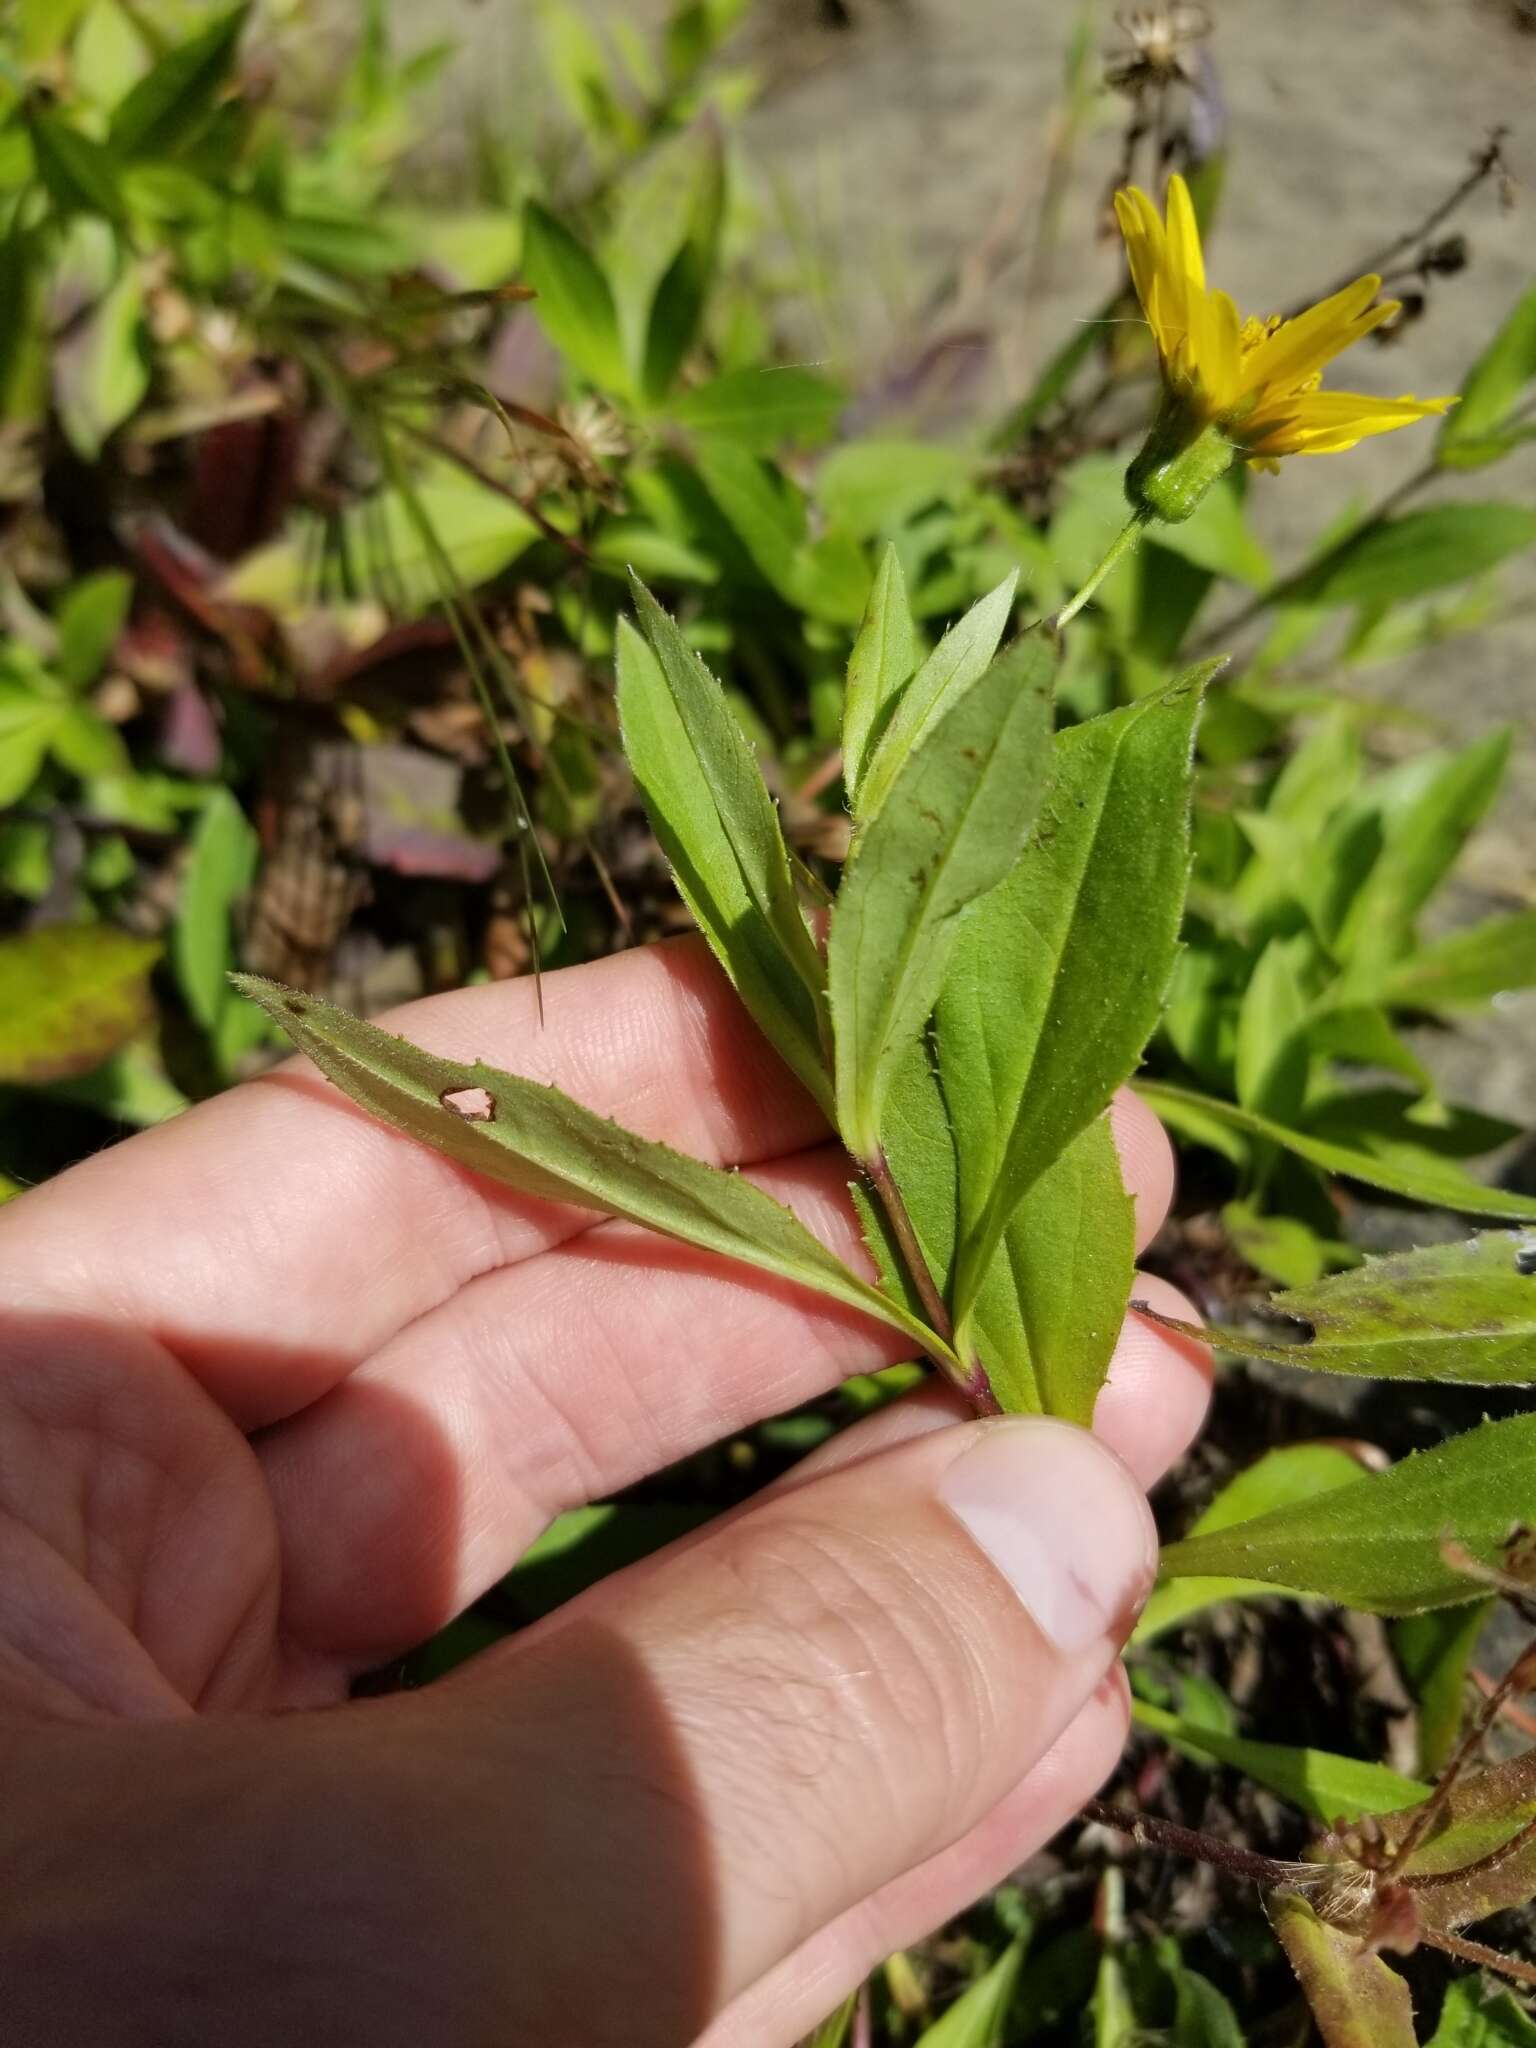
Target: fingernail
column 1064, row 1523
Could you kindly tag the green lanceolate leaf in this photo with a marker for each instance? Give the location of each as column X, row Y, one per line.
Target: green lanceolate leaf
column 960, row 658
column 575, row 305
column 1281, row 1478
column 1328, row 1787
column 1437, row 1183
column 979, row 2014
column 717, row 824
column 221, row 861
column 80, row 175
column 1357, row 2001
column 1379, row 1543
column 1434, row 1653
column 761, row 409
column 883, row 658
column 1429, row 808
column 534, row 1139
column 1480, row 429
column 960, row 811
column 1406, row 558
column 90, row 617
column 1051, row 1307
column 661, row 250
column 1272, row 1052
column 1053, row 1301
column 1059, row 978
column 1467, row 968
column 178, row 96
column 1459, row 1312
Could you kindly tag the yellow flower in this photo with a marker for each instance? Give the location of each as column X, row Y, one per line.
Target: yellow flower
column 1250, row 386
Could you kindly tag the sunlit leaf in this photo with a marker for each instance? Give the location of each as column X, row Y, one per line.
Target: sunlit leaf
column 220, row 866
column 660, row 256
column 479, row 531
column 1050, row 1310
column 1464, row 1313
column 1327, row 1787
column 826, row 577
column 883, row 659
column 1379, row 1543
column 1479, row 429
column 70, row 995
column 873, row 487
column 960, row 658
column 1466, row 967
column 1272, row 1053
column 1434, row 1182
column 1058, row 980
column 1281, row 1478
column 979, row 2014
column 719, row 829
column 1407, row 557
column 960, row 810
column 1423, row 812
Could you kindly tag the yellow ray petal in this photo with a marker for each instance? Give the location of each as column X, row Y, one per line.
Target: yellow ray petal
column 1301, row 346
column 1224, row 357
column 1184, row 234
column 1327, row 422
column 1142, row 252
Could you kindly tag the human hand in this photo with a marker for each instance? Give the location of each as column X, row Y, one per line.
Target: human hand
column 281, row 1392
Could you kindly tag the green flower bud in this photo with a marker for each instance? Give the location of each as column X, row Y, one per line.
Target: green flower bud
column 1182, row 458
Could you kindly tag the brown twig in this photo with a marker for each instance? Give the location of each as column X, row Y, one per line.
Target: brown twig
column 1150, row 1831
column 1516, row 1716
column 1425, row 1816
column 1489, row 158
column 1484, row 1957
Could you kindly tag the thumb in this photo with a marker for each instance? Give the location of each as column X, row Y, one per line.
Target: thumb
column 724, row 1749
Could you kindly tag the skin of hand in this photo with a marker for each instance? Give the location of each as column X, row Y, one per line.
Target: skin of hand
column 281, row 1392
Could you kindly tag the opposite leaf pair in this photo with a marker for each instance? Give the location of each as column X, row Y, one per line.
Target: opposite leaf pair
column 996, row 958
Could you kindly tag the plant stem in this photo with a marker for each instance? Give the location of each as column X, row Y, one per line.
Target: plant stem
column 1149, row 1831
column 884, row 1184
column 1485, row 1958
column 1122, row 544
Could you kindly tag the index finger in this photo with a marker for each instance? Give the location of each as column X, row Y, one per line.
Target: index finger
column 276, row 1236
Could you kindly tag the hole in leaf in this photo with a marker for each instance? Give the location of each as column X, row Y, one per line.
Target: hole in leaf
column 294, row 1007
column 475, row 1105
